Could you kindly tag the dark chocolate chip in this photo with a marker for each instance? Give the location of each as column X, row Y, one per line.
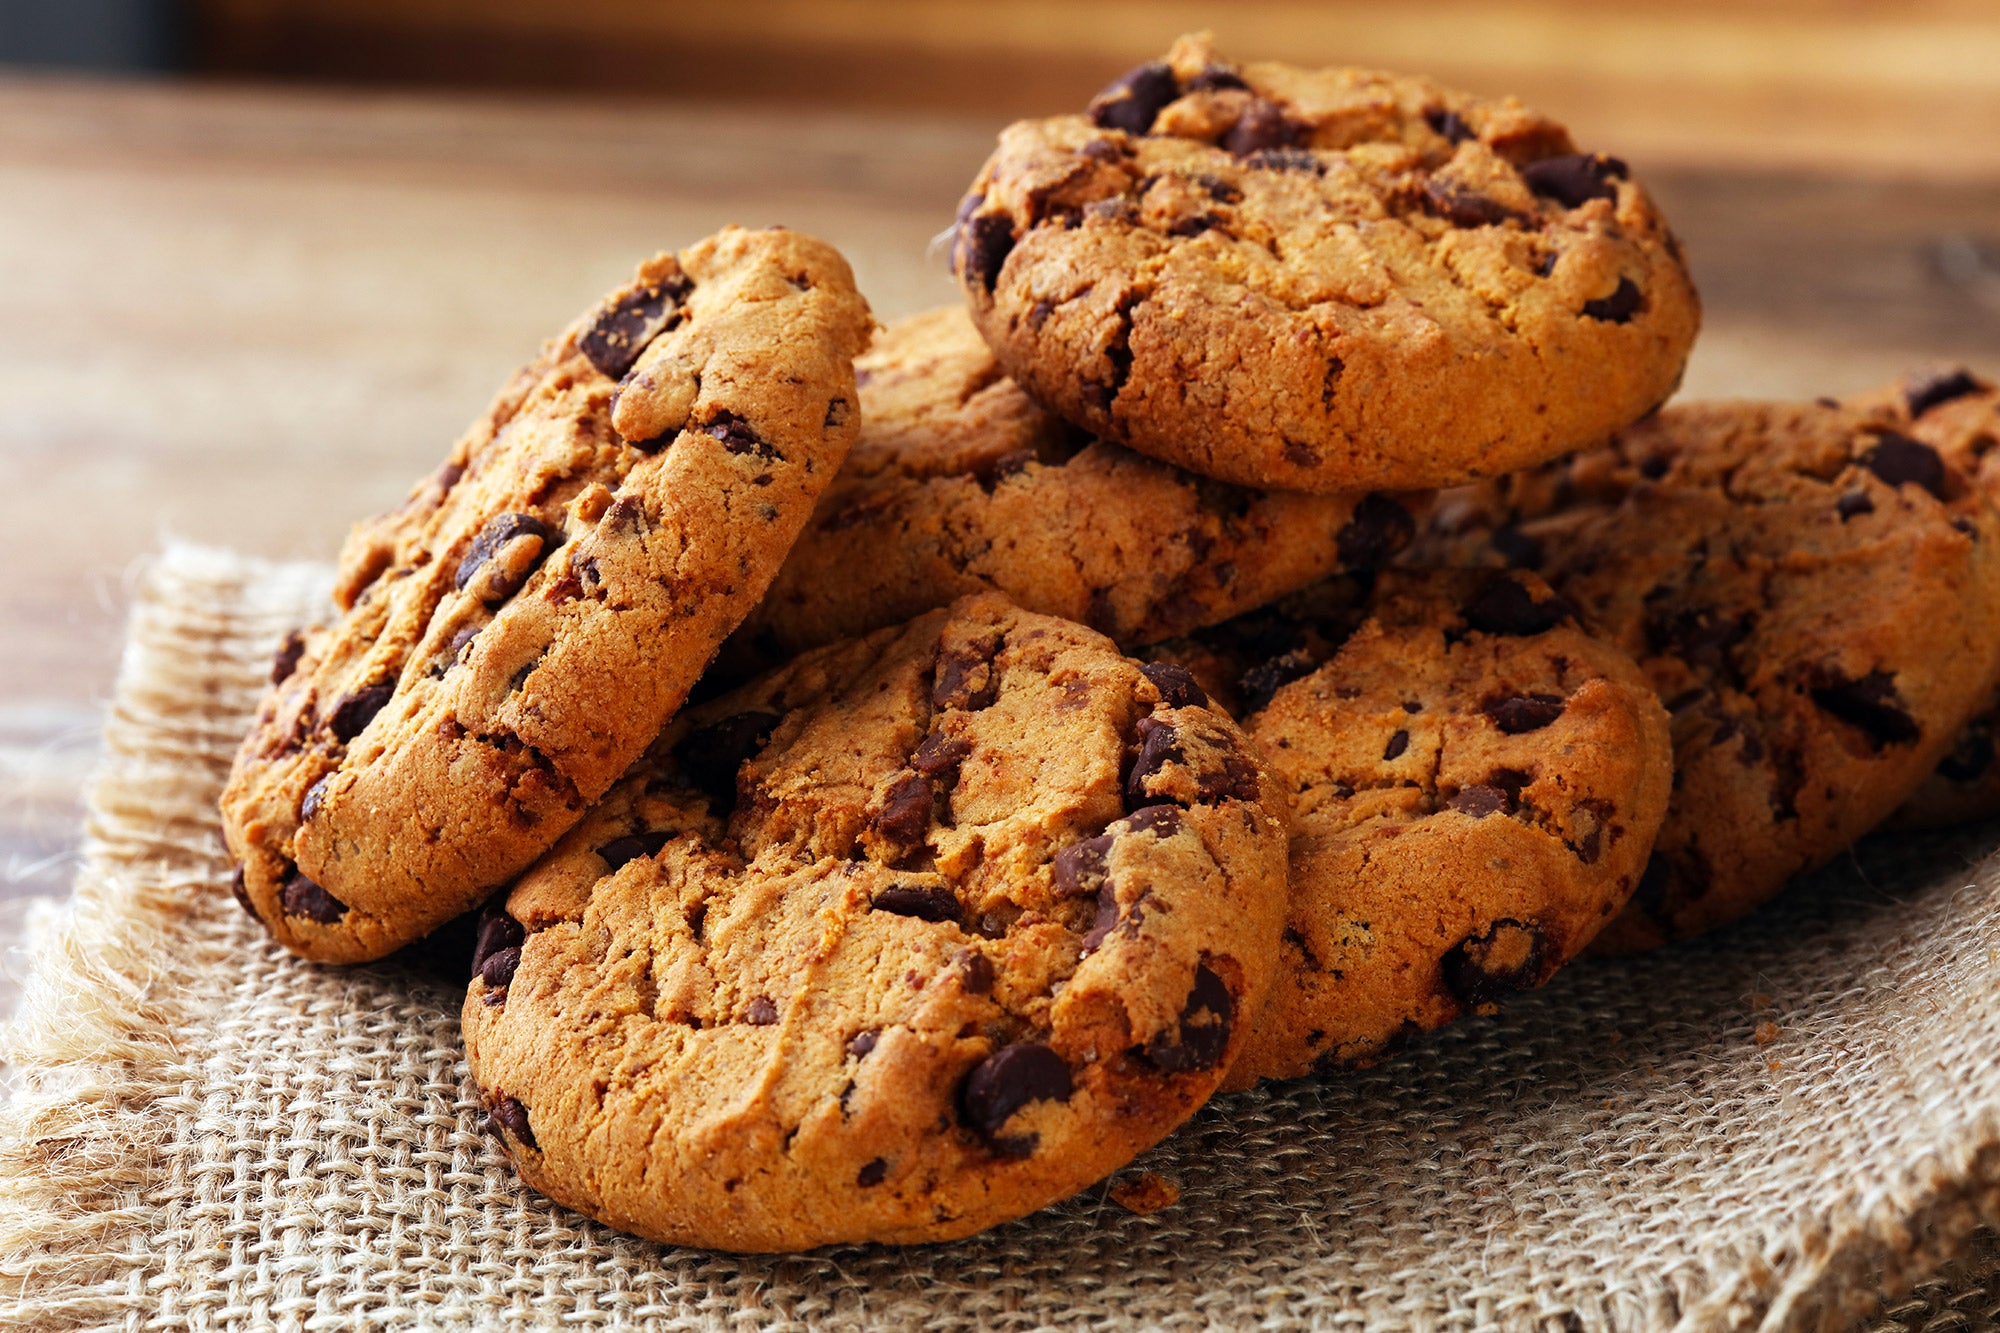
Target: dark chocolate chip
column 964, row 680
column 511, row 1116
column 1286, row 159
column 1574, row 178
column 1870, row 703
column 499, row 530
column 1204, row 1028
column 1518, row 713
column 1448, row 123
column 495, row 933
column 1924, row 394
column 1237, row 778
column 315, row 796
column 1262, row 126
column 1377, row 529
column 1971, row 757
column 1009, row 1079
column 710, row 756
column 621, row 328
column 355, row 711
column 1854, row 503
column 984, row 242
column 1621, row 305
column 1108, row 915
column 976, row 971
column 1478, row 800
column 1162, row 821
column 1159, row 745
column 1176, row 684
column 905, row 813
column 301, row 897
column 1078, row 869
column 925, row 904
column 760, row 1012
column 1463, row 208
column 1138, row 96
column 940, row 755
column 1397, row 744
column 631, row 847
column 872, row 1172
column 863, row 1042
column 240, row 891
column 1214, row 77
column 287, row 659
column 499, row 967
column 1505, row 606
column 1897, row 459
column 1486, row 968
column 738, row 436
column 1516, row 547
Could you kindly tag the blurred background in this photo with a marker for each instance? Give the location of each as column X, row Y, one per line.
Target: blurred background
column 260, row 260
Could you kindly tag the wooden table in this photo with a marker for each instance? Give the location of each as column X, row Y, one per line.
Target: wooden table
column 247, row 317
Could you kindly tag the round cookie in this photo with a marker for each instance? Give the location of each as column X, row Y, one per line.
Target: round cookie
column 512, row 638
column 1477, row 786
column 959, row 484
column 1958, row 414
column 1333, row 280
column 1814, row 595
column 917, row 934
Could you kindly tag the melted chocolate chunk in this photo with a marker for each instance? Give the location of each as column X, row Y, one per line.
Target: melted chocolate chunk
column 1078, row 869
column 1176, row 684
column 1162, row 821
column 1505, row 606
column 631, row 847
column 1463, row 208
column 937, row 904
column 1870, row 703
column 1574, row 179
column 940, row 755
column 1204, row 1028
column 1486, row 968
column 512, row 1117
column 499, row 530
column 965, row 680
column 1515, row 714
column 351, row 716
column 287, row 659
column 1159, row 745
column 621, row 328
column 1009, row 1079
column 905, row 813
column 984, row 242
column 1931, row 391
column 301, row 897
column 1133, row 102
column 1898, row 459
column 710, row 756
column 1377, row 530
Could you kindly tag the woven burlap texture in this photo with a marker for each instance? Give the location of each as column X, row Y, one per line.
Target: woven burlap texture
column 1763, row 1131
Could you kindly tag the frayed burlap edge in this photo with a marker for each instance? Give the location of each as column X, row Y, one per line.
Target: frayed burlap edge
column 104, row 1040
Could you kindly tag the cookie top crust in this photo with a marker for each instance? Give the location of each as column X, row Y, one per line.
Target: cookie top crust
column 1477, row 785
column 1323, row 280
column 1811, row 592
column 917, row 934
column 1957, row 413
column 514, row 635
column 960, row 483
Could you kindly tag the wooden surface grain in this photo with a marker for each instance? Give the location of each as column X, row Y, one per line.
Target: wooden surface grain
column 246, row 316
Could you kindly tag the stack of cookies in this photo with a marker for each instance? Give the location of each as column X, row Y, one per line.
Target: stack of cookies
column 1274, row 616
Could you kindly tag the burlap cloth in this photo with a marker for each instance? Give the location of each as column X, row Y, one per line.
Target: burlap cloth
column 1766, row 1130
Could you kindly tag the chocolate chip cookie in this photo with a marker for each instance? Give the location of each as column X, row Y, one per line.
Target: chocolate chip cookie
column 917, row 934
column 1478, row 783
column 1332, row 280
column 512, row 638
column 959, row 483
column 1814, row 595
column 1958, row 414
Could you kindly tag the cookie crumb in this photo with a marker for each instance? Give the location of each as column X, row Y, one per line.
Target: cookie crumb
column 1759, row 1002
column 1145, row 1194
column 1766, row 1033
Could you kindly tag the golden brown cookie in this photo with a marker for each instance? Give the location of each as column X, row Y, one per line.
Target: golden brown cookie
column 959, row 483
column 1477, row 782
column 1958, row 414
column 1814, row 595
column 915, row 935
column 1322, row 280
column 511, row 639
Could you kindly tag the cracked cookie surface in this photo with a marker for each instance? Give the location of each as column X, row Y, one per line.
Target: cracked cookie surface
column 1814, row 595
column 919, row 933
column 960, row 483
column 1477, row 784
column 514, row 635
column 1333, row 280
